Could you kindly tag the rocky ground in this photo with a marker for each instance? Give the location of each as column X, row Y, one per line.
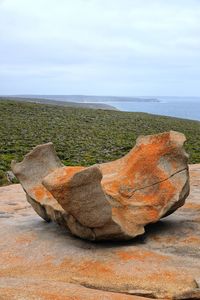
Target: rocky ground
column 39, row 260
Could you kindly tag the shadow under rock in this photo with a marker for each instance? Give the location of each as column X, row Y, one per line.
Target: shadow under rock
column 62, row 236
column 54, row 231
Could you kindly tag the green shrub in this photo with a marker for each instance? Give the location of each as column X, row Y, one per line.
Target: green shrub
column 81, row 136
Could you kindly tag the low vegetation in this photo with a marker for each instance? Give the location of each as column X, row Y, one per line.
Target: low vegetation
column 81, row 136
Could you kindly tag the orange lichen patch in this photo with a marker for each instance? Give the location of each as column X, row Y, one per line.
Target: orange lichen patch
column 10, row 294
column 192, row 205
column 64, row 272
column 142, row 158
column 25, row 238
column 158, row 194
column 172, row 240
column 153, row 214
column 48, row 259
column 52, row 296
column 31, row 267
column 171, row 277
column 30, row 294
column 125, row 218
column 63, row 175
column 40, row 193
column 41, row 270
column 141, row 255
column 191, row 239
column 87, row 267
column 139, row 216
column 50, row 291
column 95, row 267
column 141, row 168
column 131, row 220
column 7, row 258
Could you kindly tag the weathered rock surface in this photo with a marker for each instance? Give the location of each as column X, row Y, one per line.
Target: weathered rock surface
column 42, row 261
column 114, row 200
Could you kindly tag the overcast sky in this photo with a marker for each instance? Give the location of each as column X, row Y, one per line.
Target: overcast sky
column 100, row 47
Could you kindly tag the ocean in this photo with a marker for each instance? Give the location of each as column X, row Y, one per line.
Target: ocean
column 187, row 107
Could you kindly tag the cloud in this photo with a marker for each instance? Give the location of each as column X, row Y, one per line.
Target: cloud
column 121, row 47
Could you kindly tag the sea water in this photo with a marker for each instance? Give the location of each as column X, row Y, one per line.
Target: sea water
column 187, row 108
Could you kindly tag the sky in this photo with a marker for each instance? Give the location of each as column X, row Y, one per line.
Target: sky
column 100, row 47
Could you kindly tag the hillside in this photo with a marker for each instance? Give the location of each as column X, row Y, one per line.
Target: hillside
column 87, row 98
column 60, row 103
column 81, row 136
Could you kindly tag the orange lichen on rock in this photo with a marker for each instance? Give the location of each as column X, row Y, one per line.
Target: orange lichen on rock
column 63, row 175
column 141, row 255
column 25, row 238
column 192, row 239
column 48, row 290
column 94, row 268
column 172, row 278
column 40, row 193
column 192, row 206
column 143, row 160
column 113, row 200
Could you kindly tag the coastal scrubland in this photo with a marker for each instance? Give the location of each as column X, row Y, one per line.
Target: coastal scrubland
column 81, row 136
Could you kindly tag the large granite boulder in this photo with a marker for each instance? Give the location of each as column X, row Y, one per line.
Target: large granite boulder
column 114, row 200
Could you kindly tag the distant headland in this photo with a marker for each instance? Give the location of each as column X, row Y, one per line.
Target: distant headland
column 89, row 98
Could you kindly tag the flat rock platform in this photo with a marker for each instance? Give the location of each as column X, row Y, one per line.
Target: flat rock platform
column 42, row 261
